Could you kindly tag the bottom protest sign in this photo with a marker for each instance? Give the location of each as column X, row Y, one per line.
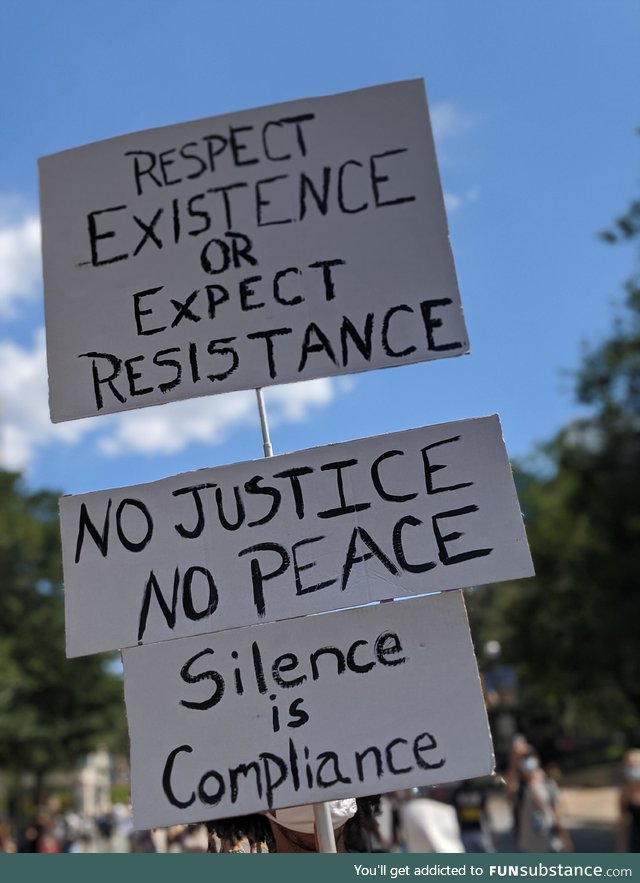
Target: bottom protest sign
column 336, row 705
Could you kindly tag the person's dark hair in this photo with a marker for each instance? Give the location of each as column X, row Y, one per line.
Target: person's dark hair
column 255, row 828
column 358, row 830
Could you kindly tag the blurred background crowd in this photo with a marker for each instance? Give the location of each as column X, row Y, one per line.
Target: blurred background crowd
column 528, row 807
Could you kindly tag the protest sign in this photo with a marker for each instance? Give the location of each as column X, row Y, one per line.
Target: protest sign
column 284, row 243
column 396, row 515
column 360, row 702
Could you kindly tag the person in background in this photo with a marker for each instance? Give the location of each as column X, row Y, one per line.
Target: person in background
column 7, row 844
column 514, row 784
column 122, row 828
column 540, row 828
column 628, row 835
column 194, row 838
column 427, row 824
column 38, row 836
column 554, row 778
column 47, row 843
column 142, row 841
column 470, row 802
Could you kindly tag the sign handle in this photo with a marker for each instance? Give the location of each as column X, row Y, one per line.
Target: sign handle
column 321, row 814
column 324, row 829
column 264, row 426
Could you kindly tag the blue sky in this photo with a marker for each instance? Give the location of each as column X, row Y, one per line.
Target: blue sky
column 534, row 107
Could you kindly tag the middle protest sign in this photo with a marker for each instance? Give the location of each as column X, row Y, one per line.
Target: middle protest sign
column 396, row 515
column 359, row 702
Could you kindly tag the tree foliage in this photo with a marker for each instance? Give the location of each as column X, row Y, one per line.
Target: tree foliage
column 52, row 709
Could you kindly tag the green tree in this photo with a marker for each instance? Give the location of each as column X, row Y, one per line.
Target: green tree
column 52, row 709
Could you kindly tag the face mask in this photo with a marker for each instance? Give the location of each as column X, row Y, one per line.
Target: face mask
column 529, row 765
column 300, row 818
column 633, row 773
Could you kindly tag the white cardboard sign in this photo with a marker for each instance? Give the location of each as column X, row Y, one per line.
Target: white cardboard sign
column 288, row 242
column 359, row 702
column 395, row 515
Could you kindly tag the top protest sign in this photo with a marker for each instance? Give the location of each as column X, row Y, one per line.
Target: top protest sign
column 289, row 242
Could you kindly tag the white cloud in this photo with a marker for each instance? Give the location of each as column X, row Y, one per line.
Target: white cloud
column 447, row 121
column 25, row 428
column 20, row 263
column 170, row 428
column 454, row 201
column 293, row 402
column 24, row 417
